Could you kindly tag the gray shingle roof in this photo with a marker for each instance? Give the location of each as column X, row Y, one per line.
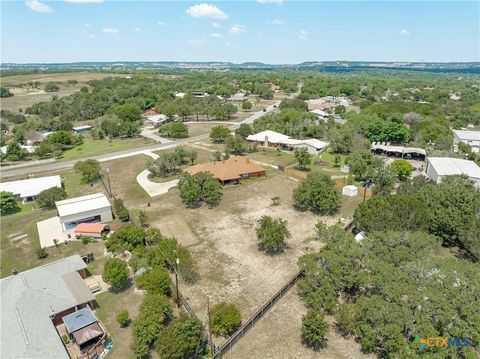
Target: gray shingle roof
column 28, row 300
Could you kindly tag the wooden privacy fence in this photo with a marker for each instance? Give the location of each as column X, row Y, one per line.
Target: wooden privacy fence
column 230, row 342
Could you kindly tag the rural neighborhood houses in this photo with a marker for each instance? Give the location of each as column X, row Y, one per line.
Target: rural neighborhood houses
column 28, row 189
column 229, row 171
column 41, row 305
column 439, row 167
column 471, row 138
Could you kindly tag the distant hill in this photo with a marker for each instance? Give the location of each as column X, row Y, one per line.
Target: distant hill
column 327, row 66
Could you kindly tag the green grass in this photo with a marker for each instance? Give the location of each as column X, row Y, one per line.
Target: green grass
column 92, row 147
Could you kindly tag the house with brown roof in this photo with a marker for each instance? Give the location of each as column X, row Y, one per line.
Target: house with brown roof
column 229, row 171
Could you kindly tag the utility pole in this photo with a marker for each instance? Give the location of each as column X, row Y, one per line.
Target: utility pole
column 209, row 325
column 109, row 185
column 177, row 262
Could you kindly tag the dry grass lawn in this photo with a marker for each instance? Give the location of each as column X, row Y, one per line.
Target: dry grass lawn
column 223, row 242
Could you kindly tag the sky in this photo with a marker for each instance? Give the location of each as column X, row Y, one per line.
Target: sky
column 269, row 31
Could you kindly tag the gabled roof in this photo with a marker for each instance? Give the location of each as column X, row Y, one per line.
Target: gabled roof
column 150, row 112
column 467, row 135
column 82, row 204
column 271, row 136
column 230, row 169
column 447, row 166
column 28, row 299
column 79, row 319
column 32, row 186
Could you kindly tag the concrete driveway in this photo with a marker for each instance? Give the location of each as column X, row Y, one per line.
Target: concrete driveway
column 51, row 229
column 152, row 133
column 153, row 188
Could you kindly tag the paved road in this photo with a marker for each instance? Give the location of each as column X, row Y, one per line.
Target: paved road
column 60, row 165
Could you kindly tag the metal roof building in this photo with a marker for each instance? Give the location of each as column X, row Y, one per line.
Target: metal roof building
column 28, row 189
column 93, row 208
column 471, row 138
column 32, row 300
column 439, row 167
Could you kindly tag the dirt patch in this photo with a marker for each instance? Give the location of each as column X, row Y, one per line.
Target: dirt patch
column 278, row 335
column 173, row 226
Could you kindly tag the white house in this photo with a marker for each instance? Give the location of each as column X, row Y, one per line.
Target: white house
column 439, row 167
column 468, row 137
column 28, row 189
column 80, row 129
column 322, row 115
column 239, row 96
column 156, row 119
column 93, row 208
column 267, row 138
column 312, row 145
column 30, row 149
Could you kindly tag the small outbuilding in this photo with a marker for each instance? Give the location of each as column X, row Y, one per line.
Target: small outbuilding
column 94, row 230
column 93, row 208
column 350, row 191
column 80, row 129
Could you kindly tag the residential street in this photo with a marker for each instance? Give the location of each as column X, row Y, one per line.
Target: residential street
column 59, row 165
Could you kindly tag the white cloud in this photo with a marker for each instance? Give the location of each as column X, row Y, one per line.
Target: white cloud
column 215, row 34
column 216, row 25
column 88, row 25
column 279, row 22
column 198, row 42
column 302, row 34
column 137, row 29
column 38, row 6
column 108, row 30
column 237, row 29
column 162, row 23
column 206, row 10
column 278, row 2
column 83, row 1
column 404, row 32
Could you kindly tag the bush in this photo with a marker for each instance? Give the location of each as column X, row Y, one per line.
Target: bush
column 155, row 312
column 65, row 339
column 272, row 234
column 115, row 272
column 120, row 210
column 87, row 239
column 48, row 197
column 8, row 203
column 122, row 318
column 402, row 169
column 225, row 318
column 155, row 281
column 314, row 330
column 52, row 87
column 41, row 252
column 181, row 339
column 318, row 194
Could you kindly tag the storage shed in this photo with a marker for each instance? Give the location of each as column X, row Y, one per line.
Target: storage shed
column 93, row 208
column 350, row 191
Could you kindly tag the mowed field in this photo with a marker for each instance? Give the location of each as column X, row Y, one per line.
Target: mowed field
column 22, row 100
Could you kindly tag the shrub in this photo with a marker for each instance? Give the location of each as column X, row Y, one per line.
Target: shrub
column 88, row 169
column 115, row 272
column 314, row 330
column 155, row 281
column 122, row 318
column 225, row 318
column 120, row 210
column 48, row 197
column 402, row 169
column 41, row 252
column 8, row 203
